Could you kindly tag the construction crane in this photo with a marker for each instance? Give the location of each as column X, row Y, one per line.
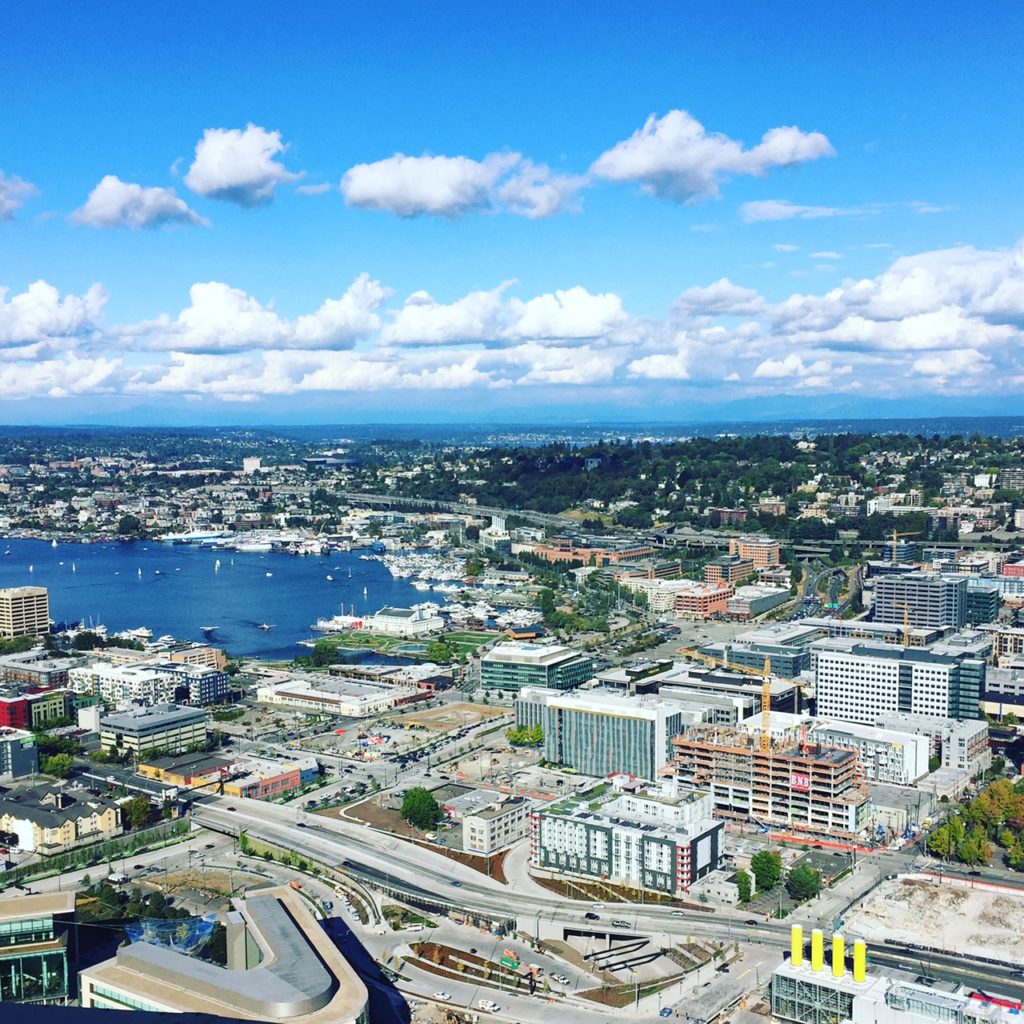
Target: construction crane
column 766, row 707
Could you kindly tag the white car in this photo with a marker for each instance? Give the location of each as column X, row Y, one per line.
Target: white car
column 489, row 1005
column 597, row 906
column 561, row 979
column 442, row 997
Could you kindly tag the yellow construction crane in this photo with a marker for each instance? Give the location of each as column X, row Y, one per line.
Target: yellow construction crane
column 766, row 707
column 896, row 535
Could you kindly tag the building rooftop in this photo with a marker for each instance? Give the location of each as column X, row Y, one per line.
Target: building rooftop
column 162, row 714
column 41, row 904
column 519, row 652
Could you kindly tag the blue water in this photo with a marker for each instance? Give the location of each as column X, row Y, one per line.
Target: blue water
column 179, row 591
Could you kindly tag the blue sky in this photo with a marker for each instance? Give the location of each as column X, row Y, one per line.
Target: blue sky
column 260, row 213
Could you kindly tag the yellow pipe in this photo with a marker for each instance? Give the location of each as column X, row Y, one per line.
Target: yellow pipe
column 838, row 956
column 796, row 945
column 817, row 949
column 860, row 960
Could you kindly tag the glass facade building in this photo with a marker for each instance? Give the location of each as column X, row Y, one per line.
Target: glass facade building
column 34, row 949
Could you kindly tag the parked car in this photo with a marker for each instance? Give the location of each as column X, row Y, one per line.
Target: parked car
column 621, row 924
column 442, row 997
column 561, row 979
column 666, row 1011
column 489, row 1005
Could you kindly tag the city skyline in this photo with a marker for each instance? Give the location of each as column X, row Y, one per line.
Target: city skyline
column 659, row 215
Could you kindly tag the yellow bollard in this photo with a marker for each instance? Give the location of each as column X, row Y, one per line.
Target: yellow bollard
column 860, row 960
column 796, row 945
column 838, row 956
column 817, row 949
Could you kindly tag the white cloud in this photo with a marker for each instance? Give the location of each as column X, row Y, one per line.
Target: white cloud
column 314, row 189
column 14, row 193
column 572, row 313
column 444, row 186
column 224, row 319
column 477, row 317
column 535, row 191
column 723, row 298
column 925, row 208
column 239, row 165
column 956, row 362
column 661, row 366
column 674, row 157
column 114, row 203
column 782, row 209
column 39, row 313
column 826, row 255
column 785, row 247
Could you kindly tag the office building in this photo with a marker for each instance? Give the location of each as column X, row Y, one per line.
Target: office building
column 169, row 728
column 499, row 824
column 51, row 819
column 750, row 601
column 702, row 600
column 922, row 599
column 902, row 551
column 960, row 746
column 34, row 954
column 661, row 839
column 267, row 778
column 982, row 600
column 24, row 611
column 858, row 682
column 281, row 966
column 600, row 732
column 18, row 754
column 514, row 665
column 803, row 787
column 728, row 569
column 762, row 552
column 348, row 698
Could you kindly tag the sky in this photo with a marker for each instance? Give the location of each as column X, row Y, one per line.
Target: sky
column 540, row 212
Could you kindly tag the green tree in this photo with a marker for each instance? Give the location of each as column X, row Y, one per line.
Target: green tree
column 59, row 765
column 324, row 653
column 744, row 884
column 526, row 736
column 546, row 601
column 934, row 763
column 767, row 868
column 440, row 651
column 803, row 882
column 420, row 809
column 138, row 810
column 129, row 524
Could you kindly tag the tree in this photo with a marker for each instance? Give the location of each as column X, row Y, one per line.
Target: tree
column 934, row 763
column 59, row 765
column 324, row 653
column 526, row 736
column 744, row 884
column 440, row 651
column 420, row 809
column 138, row 811
column 767, row 868
column 546, row 601
column 129, row 524
column 803, row 882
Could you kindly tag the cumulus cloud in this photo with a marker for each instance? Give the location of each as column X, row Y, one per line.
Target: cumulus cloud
column 114, row 203
column 785, row 247
column 239, row 165
column 675, row 157
column 14, row 193
column 477, row 317
column 783, row 209
column 444, row 186
column 573, row 313
column 220, row 318
column 534, row 190
column 723, row 298
column 40, row 313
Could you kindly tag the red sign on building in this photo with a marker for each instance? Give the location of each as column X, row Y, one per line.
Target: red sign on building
column 800, row 782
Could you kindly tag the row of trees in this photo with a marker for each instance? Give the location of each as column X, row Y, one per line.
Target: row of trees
column 994, row 817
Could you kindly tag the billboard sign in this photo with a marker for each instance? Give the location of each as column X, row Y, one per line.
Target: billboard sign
column 800, row 782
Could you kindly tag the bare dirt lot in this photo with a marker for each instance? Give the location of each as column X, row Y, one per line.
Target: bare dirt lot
column 952, row 917
column 449, row 716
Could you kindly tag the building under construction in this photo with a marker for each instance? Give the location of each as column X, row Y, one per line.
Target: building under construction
column 800, row 786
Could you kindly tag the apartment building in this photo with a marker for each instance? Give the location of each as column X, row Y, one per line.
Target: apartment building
column 763, row 552
column 492, row 828
column 662, row 839
column 165, row 727
column 19, row 755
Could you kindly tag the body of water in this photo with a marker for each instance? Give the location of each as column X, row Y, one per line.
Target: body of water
column 177, row 589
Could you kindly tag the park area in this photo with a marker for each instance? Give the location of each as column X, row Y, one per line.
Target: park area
column 960, row 918
column 459, row 642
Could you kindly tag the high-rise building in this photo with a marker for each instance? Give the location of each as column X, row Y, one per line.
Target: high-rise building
column 921, row 599
column 18, row 754
column 762, row 551
column 858, row 682
column 599, row 732
column 513, row 665
column 24, row 611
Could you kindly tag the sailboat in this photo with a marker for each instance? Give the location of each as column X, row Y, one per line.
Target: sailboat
column 31, row 568
column 53, row 543
column 264, row 625
column 365, row 592
column 269, row 574
column 74, row 568
column 330, row 578
column 216, row 566
column 139, row 574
